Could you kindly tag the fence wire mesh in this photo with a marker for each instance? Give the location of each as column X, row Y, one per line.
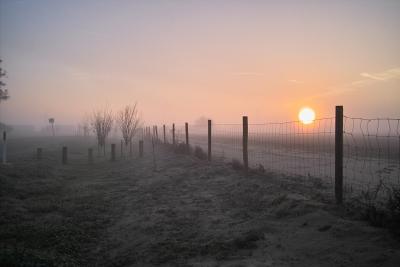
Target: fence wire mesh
column 371, row 153
column 294, row 148
column 371, row 148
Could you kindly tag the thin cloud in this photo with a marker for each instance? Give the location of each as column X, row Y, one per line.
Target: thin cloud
column 373, row 77
column 370, row 78
column 383, row 76
column 295, row 81
column 248, row 74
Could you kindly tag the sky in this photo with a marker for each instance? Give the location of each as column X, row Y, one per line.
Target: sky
column 180, row 60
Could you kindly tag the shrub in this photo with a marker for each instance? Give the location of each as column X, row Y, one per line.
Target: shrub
column 393, row 206
column 181, row 148
column 236, row 164
column 382, row 212
column 260, row 168
column 199, row 153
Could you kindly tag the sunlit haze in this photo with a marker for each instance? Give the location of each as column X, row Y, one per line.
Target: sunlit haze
column 180, row 60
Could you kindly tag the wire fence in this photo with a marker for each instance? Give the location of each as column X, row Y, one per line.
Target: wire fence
column 371, row 148
column 371, row 153
column 294, row 148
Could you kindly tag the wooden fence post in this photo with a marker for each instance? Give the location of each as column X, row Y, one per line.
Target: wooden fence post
column 112, row 152
column 64, row 155
column 173, row 133
column 339, row 155
column 245, row 143
column 165, row 140
column 122, row 148
column 39, row 153
column 187, row 136
column 90, row 155
column 4, row 147
column 209, row 140
column 141, row 148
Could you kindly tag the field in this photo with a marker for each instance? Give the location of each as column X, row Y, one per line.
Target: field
column 180, row 211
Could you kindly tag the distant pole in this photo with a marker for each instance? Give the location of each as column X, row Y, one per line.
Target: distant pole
column 4, row 147
column 173, row 133
column 165, row 140
column 156, row 132
column 141, row 148
column 39, row 153
column 90, row 155
column 122, row 147
column 245, row 143
column 209, row 140
column 339, row 155
column 112, row 152
column 154, row 154
column 64, row 155
column 187, row 136
column 130, row 148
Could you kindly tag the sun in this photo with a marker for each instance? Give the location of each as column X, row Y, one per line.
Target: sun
column 307, row 115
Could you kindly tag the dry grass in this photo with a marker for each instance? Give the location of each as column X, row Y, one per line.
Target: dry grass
column 187, row 213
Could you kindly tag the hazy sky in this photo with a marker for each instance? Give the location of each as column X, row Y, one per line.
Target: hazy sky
column 183, row 59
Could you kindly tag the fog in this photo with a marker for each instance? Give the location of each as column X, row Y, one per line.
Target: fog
column 181, row 61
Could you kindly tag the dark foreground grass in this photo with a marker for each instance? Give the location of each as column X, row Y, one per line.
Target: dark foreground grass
column 45, row 221
column 186, row 212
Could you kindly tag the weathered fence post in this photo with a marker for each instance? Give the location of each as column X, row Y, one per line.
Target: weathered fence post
column 209, row 140
column 245, row 143
column 173, row 133
column 64, row 155
column 187, row 136
column 4, row 147
column 90, row 155
column 141, row 148
column 39, row 153
column 122, row 148
column 112, row 152
column 165, row 140
column 339, row 155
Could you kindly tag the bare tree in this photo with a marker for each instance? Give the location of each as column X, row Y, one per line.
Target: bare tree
column 129, row 121
column 51, row 121
column 86, row 126
column 201, row 121
column 3, row 92
column 101, row 122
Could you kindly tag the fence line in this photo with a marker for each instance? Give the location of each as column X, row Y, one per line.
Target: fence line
column 370, row 151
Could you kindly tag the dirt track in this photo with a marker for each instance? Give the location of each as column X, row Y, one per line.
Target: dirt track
column 186, row 213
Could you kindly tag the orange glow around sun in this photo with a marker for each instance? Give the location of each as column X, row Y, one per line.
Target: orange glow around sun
column 307, row 115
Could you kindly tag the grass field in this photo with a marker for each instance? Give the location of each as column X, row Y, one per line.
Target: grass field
column 184, row 212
